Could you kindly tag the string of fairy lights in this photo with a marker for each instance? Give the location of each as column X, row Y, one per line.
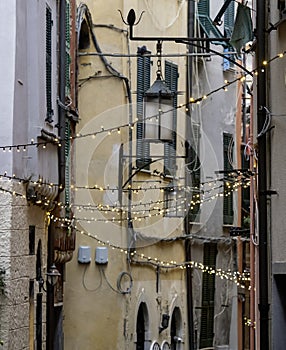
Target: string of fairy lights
column 57, row 141
column 204, row 193
column 236, row 277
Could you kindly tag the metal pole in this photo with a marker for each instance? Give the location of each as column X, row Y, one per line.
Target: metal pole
column 262, row 177
column 189, row 277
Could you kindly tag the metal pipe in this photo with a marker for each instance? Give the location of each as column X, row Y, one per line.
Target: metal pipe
column 262, row 178
column 62, row 87
column 189, row 74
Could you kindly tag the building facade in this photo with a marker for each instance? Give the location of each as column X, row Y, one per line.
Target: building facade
column 39, row 111
column 154, row 205
column 269, row 112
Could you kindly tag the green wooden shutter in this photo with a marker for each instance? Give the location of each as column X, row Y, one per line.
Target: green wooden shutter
column 210, row 30
column 171, row 78
column 68, row 59
column 204, row 7
column 229, row 19
column 49, row 23
column 208, row 294
column 143, row 84
column 228, row 195
column 67, row 165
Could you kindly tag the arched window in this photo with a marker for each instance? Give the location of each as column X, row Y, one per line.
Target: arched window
column 84, row 41
column 141, row 326
column 176, row 329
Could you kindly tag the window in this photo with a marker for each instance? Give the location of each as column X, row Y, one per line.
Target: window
column 31, row 240
column 171, row 78
column 143, row 84
column 206, row 24
column 194, row 167
column 208, row 293
column 174, row 202
column 49, row 24
column 84, row 41
column 176, row 329
column 228, row 194
column 141, row 327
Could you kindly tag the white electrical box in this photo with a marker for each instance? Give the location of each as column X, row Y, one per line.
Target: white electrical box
column 84, row 255
column 101, row 255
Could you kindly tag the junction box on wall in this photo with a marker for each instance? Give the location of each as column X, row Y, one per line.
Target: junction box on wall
column 84, row 256
column 101, row 255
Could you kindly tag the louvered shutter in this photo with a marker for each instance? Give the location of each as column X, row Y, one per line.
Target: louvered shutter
column 204, row 7
column 171, row 78
column 228, row 28
column 228, row 194
column 229, row 19
column 67, row 58
column 67, row 165
column 49, row 23
column 210, row 30
column 143, row 84
column 208, row 294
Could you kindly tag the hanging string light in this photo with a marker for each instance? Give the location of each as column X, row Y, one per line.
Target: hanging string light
column 116, row 129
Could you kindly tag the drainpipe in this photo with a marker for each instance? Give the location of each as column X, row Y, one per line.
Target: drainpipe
column 50, row 317
column 262, row 178
column 189, row 73
column 62, row 87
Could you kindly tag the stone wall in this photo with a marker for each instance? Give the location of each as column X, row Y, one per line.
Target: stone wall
column 18, row 258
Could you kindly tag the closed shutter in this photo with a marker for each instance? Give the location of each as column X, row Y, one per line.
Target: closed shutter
column 67, row 58
column 143, row 84
column 208, row 294
column 171, row 78
column 49, row 23
column 228, row 194
column 67, row 166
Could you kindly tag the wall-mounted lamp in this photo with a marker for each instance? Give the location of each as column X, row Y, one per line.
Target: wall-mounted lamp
column 158, row 107
column 164, row 322
column 52, row 277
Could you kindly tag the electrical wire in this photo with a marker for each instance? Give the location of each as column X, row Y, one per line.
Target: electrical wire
column 120, row 278
column 84, row 282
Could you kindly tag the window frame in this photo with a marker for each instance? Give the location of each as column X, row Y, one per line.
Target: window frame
column 228, row 213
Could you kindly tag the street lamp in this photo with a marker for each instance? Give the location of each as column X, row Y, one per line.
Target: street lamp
column 158, row 107
column 53, row 275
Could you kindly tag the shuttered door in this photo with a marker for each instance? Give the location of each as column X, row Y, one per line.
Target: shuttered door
column 171, row 78
column 228, row 194
column 49, row 23
column 208, row 293
column 143, row 84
